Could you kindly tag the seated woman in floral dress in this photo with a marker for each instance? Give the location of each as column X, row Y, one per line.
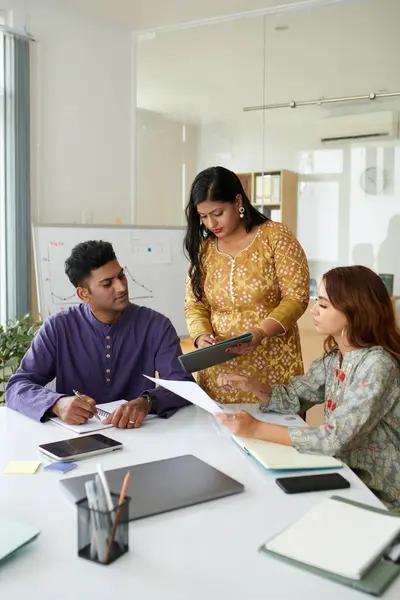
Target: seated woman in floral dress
column 357, row 380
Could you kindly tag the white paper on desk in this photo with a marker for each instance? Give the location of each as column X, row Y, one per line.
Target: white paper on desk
column 92, row 424
column 190, row 391
column 253, row 409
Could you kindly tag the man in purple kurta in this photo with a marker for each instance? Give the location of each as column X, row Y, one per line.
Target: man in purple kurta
column 101, row 348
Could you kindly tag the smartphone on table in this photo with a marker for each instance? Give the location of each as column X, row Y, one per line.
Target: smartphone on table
column 312, row 483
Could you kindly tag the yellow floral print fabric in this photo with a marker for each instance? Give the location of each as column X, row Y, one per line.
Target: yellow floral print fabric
column 268, row 279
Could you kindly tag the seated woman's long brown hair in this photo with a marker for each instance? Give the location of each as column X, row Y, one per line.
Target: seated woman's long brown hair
column 362, row 297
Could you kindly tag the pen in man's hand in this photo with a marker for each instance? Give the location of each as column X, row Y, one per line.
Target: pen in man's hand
column 78, row 395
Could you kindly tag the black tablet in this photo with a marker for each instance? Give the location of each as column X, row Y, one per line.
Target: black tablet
column 212, row 355
column 83, row 446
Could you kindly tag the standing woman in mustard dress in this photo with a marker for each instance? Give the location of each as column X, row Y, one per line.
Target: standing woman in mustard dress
column 247, row 273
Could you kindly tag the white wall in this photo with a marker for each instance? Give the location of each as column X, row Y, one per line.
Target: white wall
column 164, row 146
column 82, row 111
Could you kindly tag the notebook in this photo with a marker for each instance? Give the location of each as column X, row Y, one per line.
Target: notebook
column 339, row 537
column 14, row 535
column 93, row 424
column 285, row 458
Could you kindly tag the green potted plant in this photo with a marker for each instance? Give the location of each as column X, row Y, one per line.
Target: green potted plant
column 15, row 339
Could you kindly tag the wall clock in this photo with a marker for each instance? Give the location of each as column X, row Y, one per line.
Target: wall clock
column 373, row 180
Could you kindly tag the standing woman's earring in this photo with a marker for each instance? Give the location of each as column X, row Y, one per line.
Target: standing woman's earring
column 241, row 210
column 203, row 229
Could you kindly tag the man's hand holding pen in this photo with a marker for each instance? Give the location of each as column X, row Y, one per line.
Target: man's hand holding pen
column 75, row 410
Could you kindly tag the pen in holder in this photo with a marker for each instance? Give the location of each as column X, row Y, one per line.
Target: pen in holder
column 103, row 536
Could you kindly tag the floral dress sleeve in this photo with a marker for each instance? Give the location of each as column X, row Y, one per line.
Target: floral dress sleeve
column 372, row 390
column 291, row 268
column 302, row 392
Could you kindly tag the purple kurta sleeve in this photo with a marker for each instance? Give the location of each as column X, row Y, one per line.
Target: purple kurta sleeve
column 168, row 367
column 25, row 390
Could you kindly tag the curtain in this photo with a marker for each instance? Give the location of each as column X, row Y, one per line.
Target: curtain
column 17, row 219
column 2, row 220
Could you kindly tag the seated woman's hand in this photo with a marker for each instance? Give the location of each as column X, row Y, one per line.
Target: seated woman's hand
column 241, row 423
column 249, row 347
column 231, row 381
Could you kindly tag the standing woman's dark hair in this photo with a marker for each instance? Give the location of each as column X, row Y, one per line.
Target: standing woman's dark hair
column 219, row 185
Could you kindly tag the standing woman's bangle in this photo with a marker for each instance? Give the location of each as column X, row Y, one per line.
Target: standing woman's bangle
column 261, row 332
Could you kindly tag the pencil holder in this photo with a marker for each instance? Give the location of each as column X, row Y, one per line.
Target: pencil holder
column 103, row 536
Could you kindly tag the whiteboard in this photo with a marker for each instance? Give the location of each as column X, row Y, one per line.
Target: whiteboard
column 156, row 266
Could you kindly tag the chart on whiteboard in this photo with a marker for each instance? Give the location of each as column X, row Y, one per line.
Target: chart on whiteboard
column 63, row 292
column 153, row 260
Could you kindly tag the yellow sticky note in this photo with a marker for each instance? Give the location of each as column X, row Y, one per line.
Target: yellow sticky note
column 22, row 467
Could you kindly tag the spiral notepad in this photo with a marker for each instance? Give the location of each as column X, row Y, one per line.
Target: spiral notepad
column 93, row 424
column 103, row 414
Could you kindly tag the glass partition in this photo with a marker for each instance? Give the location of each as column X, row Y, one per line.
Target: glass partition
column 191, row 89
column 330, row 171
column 346, row 153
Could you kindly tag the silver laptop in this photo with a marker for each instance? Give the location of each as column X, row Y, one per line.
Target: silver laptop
column 163, row 485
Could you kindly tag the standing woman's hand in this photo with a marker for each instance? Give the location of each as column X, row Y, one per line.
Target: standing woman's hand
column 205, row 340
column 249, row 347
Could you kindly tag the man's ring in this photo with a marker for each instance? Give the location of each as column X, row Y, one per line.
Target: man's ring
column 133, row 422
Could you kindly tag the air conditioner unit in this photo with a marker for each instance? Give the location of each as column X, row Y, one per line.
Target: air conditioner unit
column 383, row 124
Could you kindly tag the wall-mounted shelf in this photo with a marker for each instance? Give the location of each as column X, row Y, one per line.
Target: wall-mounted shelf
column 274, row 193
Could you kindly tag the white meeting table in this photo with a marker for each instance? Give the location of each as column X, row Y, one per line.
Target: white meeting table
column 203, row 552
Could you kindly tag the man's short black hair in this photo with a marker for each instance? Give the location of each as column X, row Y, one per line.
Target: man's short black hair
column 87, row 257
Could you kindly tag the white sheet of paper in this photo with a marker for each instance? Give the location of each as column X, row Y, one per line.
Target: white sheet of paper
column 253, row 409
column 290, row 420
column 93, row 424
column 190, row 391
